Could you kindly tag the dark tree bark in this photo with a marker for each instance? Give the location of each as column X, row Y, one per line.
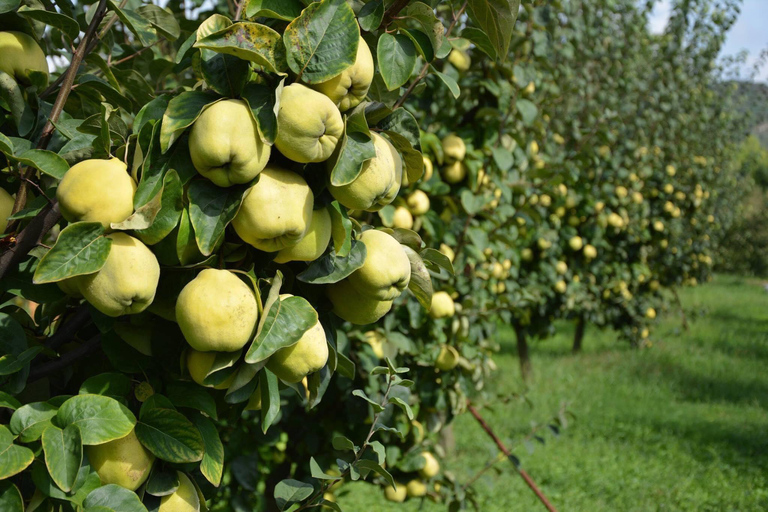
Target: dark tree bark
column 578, row 336
column 522, row 353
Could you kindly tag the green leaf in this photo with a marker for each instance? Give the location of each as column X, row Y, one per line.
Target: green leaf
column 21, row 112
column 113, row 498
column 13, row 343
column 480, row 39
column 322, row 42
column 285, row 10
column 162, row 19
column 342, row 443
column 371, row 15
column 453, row 86
column 100, row 418
column 424, row 17
column 170, row 436
column 191, row 396
column 317, row 472
column 421, row 282
column 370, row 465
column 44, row 161
column 162, row 482
column 527, row 111
column 331, row 268
column 403, row 405
column 355, row 149
column 108, row 384
column 182, row 111
column 377, row 408
column 413, row 162
column 496, row 18
column 11, row 499
column 438, row 258
column 8, row 401
column 396, row 55
column 67, row 25
column 143, row 216
column 252, row 42
column 244, row 383
column 421, row 42
column 11, row 5
column 13, row 458
column 472, row 204
column 341, row 229
column 212, row 465
column 270, row 398
column 167, row 217
column 262, row 100
column 63, row 451
column 287, row 321
column 400, row 122
column 80, row 249
column 140, row 27
column 30, row 421
column 289, row 491
column 211, row 209
column 152, row 111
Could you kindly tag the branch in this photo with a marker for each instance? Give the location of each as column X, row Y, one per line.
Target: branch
column 528, row 480
column 68, row 329
column 392, row 12
column 29, row 237
column 425, row 68
column 65, row 360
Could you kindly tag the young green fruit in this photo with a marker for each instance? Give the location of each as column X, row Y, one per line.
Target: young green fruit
column 124, row 462
column 454, row 148
column 418, row 202
column 377, row 184
column 20, row 54
column 442, row 305
column 314, row 243
column 575, row 243
column 127, row 282
column 459, row 59
column 455, row 172
column 216, row 312
column 350, row 87
column 590, row 252
column 403, row 218
column 416, row 488
column 184, row 499
column 308, row 355
column 448, row 358
column 431, row 467
column 309, row 125
column 6, row 207
column 397, row 495
column 276, row 212
column 354, row 307
column 225, row 146
column 386, row 271
column 96, row 191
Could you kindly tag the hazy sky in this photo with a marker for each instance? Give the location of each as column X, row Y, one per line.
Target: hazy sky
column 749, row 33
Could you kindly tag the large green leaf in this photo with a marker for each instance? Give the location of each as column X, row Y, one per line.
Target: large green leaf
column 100, row 418
column 480, row 39
column 182, row 111
column 113, row 498
column 112, row 384
column 285, row 10
column 341, row 229
column 167, row 217
column 192, row 396
column 322, row 42
column 211, row 209
column 13, row 458
column 82, row 248
column 11, row 499
column 270, row 398
column 67, row 25
column 288, row 492
column 331, row 268
column 396, row 55
column 21, row 112
column 262, row 101
column 134, row 22
column 355, row 149
column 12, row 5
column 212, row 465
column 30, row 421
column 423, row 16
column 248, row 41
column 63, row 451
column 421, row 282
column 497, row 19
column 13, row 343
column 287, row 321
column 162, row 19
column 44, row 161
column 170, row 436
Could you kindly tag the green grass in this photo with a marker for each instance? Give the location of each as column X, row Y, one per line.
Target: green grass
column 681, row 425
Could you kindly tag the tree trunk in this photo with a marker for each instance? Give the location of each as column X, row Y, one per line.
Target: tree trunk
column 578, row 336
column 522, row 354
column 682, row 311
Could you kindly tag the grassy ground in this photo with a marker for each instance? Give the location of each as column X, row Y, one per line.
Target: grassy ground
column 681, row 425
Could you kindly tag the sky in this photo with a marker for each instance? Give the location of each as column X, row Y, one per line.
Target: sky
column 750, row 32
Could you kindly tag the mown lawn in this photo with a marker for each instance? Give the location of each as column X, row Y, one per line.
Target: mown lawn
column 681, row 425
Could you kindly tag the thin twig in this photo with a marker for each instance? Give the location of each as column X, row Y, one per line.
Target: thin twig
column 65, row 360
column 240, row 6
column 528, row 480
